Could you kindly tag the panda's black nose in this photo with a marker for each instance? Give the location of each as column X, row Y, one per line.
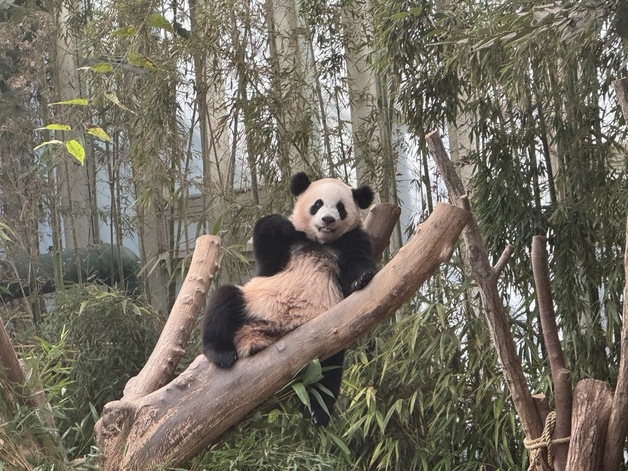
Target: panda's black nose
column 328, row 219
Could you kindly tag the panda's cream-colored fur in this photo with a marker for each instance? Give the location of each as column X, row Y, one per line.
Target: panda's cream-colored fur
column 280, row 303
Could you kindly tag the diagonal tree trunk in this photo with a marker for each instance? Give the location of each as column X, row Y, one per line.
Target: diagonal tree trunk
column 181, row 419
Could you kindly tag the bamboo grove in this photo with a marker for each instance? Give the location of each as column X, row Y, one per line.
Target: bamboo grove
column 145, row 124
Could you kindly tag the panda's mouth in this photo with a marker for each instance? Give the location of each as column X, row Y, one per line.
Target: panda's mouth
column 325, row 229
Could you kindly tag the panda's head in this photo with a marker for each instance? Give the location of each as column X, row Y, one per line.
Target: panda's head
column 327, row 209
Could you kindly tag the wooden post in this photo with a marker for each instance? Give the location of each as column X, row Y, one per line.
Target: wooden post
column 591, row 411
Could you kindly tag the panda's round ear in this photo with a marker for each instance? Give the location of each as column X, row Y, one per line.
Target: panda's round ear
column 363, row 195
column 299, row 183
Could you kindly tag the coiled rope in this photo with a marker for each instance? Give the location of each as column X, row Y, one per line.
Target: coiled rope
column 544, row 441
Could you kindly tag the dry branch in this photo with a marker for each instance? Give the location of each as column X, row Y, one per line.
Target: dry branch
column 560, row 375
column 159, row 369
column 486, row 279
column 180, row 420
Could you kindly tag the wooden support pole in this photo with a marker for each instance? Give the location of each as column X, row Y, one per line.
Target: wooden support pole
column 591, row 411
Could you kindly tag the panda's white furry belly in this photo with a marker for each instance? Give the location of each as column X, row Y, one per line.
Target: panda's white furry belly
column 277, row 304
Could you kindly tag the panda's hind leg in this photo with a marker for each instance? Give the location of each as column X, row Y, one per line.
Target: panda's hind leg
column 224, row 315
column 332, row 380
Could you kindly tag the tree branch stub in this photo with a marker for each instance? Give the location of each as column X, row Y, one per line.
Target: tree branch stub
column 591, row 411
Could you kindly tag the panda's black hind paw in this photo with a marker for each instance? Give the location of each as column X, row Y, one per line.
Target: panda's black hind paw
column 362, row 280
column 222, row 359
column 319, row 417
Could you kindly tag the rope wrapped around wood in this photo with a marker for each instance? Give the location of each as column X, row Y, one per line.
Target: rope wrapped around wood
column 544, row 441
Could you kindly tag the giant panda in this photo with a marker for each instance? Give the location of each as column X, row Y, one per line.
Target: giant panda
column 305, row 265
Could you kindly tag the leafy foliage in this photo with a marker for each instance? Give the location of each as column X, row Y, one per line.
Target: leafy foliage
column 109, row 337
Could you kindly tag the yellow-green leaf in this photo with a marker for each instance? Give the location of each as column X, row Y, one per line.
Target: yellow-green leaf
column 112, row 97
column 138, row 60
column 73, row 101
column 127, row 31
column 97, row 132
column 155, row 20
column 75, row 148
column 101, row 68
column 47, row 143
column 55, row 127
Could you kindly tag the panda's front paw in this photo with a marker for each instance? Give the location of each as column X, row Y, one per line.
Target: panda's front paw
column 274, row 227
column 362, row 280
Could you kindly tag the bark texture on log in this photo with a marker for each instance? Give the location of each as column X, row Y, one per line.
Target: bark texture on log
column 178, row 421
column 160, row 366
column 486, row 279
column 591, row 411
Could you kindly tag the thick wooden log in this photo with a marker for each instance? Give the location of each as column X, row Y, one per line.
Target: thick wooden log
column 180, row 420
column 591, row 411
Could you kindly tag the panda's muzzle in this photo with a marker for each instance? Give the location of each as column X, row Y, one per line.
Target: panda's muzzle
column 327, row 226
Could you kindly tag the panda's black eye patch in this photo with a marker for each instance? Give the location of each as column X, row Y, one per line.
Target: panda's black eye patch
column 342, row 211
column 315, row 207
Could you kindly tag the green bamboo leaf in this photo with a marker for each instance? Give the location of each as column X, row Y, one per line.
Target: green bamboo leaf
column 55, row 127
column 339, row 442
column 126, row 31
column 73, row 101
column 155, row 20
column 97, row 132
column 75, row 148
column 138, row 60
column 313, row 373
column 100, row 68
column 299, row 388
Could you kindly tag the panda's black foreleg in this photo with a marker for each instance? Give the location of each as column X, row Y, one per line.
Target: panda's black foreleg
column 224, row 315
column 273, row 236
column 332, row 380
